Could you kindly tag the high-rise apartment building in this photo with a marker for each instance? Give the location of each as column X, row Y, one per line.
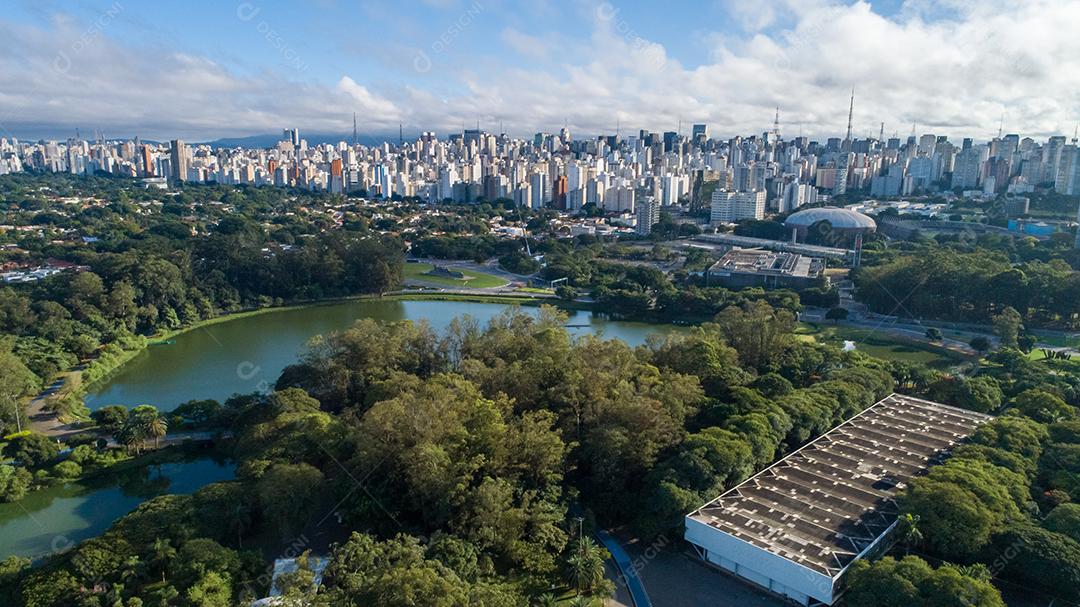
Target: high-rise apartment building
column 178, row 160
column 729, row 207
column 647, row 214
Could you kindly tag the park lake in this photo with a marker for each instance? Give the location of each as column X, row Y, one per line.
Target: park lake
column 56, row 518
column 237, row 356
column 247, row 354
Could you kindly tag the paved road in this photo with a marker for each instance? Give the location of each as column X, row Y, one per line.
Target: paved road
column 627, row 569
column 44, row 421
column 177, row 438
column 488, row 267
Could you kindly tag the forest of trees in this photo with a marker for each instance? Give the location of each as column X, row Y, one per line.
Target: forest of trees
column 974, row 284
column 156, row 272
column 484, row 437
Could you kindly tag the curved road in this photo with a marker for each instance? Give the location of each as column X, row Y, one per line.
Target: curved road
column 626, row 569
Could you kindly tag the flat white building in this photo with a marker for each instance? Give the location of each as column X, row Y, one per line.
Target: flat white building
column 794, row 528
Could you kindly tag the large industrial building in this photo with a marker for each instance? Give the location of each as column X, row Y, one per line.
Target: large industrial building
column 794, row 528
column 740, row 268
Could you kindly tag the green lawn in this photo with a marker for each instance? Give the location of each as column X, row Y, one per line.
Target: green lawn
column 536, row 290
column 1061, row 340
column 472, row 280
column 880, row 345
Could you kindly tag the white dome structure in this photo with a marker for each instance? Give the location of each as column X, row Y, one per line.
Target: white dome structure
column 843, row 221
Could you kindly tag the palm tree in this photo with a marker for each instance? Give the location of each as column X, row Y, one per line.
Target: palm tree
column 129, row 437
column 163, row 553
column 157, row 427
column 907, row 531
column 133, row 569
column 586, row 565
column 547, row 600
column 145, row 421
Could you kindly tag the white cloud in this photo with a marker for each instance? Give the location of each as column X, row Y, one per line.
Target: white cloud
column 530, row 46
column 951, row 67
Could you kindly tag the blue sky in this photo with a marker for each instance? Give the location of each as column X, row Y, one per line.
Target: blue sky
column 206, row 68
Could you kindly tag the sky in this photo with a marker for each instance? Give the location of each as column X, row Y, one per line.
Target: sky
column 207, row 69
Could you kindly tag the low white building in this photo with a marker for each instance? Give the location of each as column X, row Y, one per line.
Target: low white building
column 794, row 528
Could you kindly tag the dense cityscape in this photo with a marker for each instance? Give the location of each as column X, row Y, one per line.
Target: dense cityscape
column 605, row 172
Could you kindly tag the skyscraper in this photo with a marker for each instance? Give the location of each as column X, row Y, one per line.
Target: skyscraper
column 178, row 160
column 1068, row 178
column 147, row 161
column 292, row 136
column 968, row 167
column 558, row 194
column 647, row 214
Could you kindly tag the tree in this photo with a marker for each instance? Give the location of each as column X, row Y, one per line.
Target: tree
column 837, row 314
column 157, row 427
column 32, row 449
column 912, row 581
column 142, row 423
column 16, row 380
column 980, row 344
column 1007, row 326
column 1026, row 342
column 963, row 502
column 566, row 292
column 1064, row 519
column 14, row 483
column 1043, row 406
column 934, row 334
column 163, row 554
column 11, row 568
column 1041, row 558
column 285, row 491
column 214, row 589
column 585, row 565
column 907, row 531
column 392, row 573
column 67, row 470
column 980, row 393
column 756, row 330
column 198, row 412
column 111, row 418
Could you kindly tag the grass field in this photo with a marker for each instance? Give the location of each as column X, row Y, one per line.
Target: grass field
column 1067, row 340
column 536, row 290
column 880, row 345
column 472, row 280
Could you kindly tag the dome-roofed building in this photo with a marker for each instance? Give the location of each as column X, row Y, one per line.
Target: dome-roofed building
column 829, row 224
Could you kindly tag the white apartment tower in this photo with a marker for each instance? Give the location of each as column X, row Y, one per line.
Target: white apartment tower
column 728, row 207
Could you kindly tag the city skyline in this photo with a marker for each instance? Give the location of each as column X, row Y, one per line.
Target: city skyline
column 268, row 139
column 958, row 68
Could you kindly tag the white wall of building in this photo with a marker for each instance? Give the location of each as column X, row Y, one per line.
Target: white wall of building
column 768, row 570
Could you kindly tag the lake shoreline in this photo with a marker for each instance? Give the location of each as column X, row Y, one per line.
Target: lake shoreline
column 250, row 337
column 79, row 389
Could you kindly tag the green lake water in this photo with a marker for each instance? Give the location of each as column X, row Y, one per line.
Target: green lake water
column 247, row 354
column 55, row 519
column 237, row 356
